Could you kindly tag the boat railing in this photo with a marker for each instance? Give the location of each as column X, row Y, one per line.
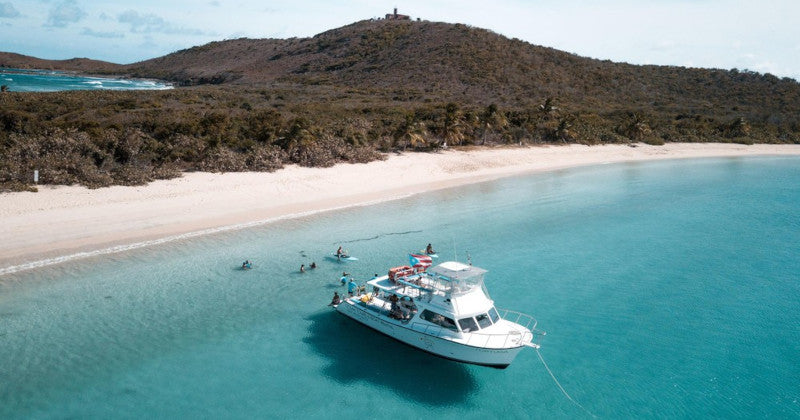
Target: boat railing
column 525, row 320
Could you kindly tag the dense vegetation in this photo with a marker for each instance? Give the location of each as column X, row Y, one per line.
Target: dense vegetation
column 375, row 86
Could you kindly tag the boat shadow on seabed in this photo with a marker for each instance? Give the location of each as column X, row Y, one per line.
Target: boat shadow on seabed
column 357, row 353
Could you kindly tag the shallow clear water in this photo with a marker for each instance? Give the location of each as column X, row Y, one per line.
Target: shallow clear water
column 667, row 289
column 52, row 81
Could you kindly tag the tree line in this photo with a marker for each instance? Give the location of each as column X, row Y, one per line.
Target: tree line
column 98, row 139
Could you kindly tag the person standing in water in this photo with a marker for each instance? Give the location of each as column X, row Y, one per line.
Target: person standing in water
column 352, row 287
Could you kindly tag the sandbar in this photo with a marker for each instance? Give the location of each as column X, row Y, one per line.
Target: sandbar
column 42, row 228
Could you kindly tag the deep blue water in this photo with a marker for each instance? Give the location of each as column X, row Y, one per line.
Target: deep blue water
column 52, row 81
column 667, row 289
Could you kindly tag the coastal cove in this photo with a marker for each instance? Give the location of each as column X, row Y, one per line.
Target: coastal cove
column 667, row 289
column 24, row 80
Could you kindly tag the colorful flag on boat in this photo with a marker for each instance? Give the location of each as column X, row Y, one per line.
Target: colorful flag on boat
column 419, row 261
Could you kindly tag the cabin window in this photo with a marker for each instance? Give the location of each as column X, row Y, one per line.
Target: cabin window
column 494, row 315
column 438, row 319
column 483, row 320
column 467, row 325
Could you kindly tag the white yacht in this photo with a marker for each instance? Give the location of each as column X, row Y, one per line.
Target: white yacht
column 445, row 311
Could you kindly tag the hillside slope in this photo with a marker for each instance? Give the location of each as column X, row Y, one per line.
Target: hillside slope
column 19, row 61
column 454, row 62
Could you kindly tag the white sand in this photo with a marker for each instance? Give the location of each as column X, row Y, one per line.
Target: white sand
column 59, row 221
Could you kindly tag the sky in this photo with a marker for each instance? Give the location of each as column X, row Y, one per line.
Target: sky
column 761, row 36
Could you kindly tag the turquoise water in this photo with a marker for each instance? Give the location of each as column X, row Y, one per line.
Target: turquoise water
column 667, row 289
column 52, row 81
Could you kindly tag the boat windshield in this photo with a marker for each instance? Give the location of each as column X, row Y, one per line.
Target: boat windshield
column 494, row 315
column 483, row 320
column 467, row 325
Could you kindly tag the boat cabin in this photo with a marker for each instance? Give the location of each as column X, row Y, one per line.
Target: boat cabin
column 451, row 295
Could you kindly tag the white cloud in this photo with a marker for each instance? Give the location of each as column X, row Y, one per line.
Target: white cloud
column 101, row 34
column 65, row 13
column 7, row 10
column 148, row 43
column 765, row 66
column 151, row 23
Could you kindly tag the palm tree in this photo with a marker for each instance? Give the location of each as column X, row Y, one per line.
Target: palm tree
column 491, row 120
column 411, row 132
column 638, row 128
column 563, row 131
column 453, row 130
column 548, row 107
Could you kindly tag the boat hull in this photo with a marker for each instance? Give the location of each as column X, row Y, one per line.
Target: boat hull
column 498, row 358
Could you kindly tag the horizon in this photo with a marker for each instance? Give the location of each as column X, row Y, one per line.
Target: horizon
column 722, row 34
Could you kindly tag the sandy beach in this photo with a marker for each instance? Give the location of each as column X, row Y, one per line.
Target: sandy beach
column 38, row 228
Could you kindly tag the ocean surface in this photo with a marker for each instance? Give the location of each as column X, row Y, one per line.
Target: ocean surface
column 667, row 289
column 18, row 80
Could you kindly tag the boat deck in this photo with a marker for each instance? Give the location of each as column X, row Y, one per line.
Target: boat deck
column 381, row 305
column 414, row 286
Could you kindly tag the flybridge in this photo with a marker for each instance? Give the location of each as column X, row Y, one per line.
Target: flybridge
column 447, row 279
column 458, row 278
column 457, row 271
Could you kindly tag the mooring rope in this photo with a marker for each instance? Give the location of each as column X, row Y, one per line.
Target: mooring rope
column 561, row 387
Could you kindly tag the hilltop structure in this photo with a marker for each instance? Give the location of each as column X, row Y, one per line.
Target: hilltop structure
column 395, row 16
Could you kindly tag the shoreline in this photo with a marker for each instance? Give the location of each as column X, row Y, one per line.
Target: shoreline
column 68, row 222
